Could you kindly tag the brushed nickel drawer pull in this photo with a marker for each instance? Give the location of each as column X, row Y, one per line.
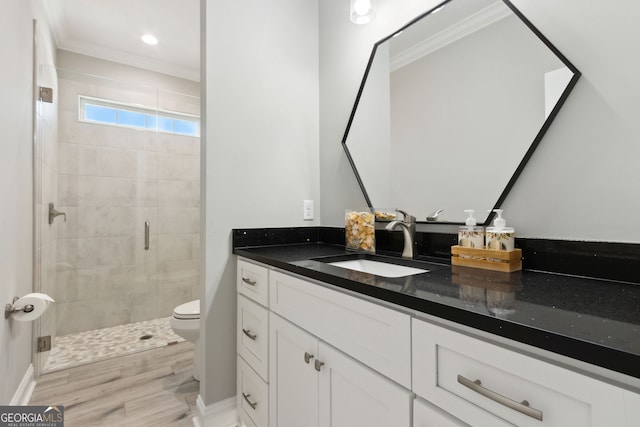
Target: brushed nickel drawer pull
column 249, row 281
column 248, row 333
column 146, row 235
column 252, row 404
column 318, row 365
column 522, row 407
column 307, row 357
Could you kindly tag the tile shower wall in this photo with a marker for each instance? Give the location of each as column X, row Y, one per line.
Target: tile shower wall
column 110, row 181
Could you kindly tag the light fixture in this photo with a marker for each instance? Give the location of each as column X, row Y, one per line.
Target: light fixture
column 362, row 11
column 150, row 39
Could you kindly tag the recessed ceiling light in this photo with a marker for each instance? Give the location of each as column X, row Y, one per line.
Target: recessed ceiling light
column 149, row 39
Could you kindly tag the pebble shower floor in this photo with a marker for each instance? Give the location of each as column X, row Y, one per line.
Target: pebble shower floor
column 91, row 346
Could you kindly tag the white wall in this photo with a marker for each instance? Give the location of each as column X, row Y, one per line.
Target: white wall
column 16, row 192
column 260, row 149
column 580, row 183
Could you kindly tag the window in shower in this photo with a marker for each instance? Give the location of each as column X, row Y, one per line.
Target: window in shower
column 102, row 111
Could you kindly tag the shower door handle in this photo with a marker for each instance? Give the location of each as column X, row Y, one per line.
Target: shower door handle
column 146, row 235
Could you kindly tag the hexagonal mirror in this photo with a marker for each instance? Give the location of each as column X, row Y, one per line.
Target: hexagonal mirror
column 451, row 108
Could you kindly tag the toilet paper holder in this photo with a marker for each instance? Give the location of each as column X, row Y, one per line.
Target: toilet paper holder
column 9, row 309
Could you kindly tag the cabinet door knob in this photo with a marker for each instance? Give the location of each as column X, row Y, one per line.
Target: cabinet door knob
column 307, row 357
column 248, row 333
column 252, row 404
column 249, row 281
column 318, row 365
column 522, row 407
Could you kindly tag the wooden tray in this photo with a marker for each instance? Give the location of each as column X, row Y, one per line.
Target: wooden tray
column 487, row 259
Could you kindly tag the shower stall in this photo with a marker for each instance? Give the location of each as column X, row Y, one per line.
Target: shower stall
column 117, row 196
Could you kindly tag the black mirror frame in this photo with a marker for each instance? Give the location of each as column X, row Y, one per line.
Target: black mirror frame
column 536, row 141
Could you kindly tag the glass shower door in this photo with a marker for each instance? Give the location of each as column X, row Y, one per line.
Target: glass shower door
column 45, row 191
column 106, row 255
column 122, row 161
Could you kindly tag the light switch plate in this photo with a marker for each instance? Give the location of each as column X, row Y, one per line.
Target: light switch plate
column 307, row 210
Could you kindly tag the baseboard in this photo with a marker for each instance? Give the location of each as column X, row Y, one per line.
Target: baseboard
column 25, row 389
column 219, row 414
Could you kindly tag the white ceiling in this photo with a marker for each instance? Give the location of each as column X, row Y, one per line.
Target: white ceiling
column 111, row 30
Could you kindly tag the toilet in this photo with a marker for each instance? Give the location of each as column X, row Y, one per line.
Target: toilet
column 185, row 322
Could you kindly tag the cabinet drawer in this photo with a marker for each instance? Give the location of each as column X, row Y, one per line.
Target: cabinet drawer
column 253, row 335
column 253, row 397
column 504, row 387
column 374, row 335
column 253, row 282
column 427, row 415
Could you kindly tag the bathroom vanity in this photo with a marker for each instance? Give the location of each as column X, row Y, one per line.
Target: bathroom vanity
column 322, row 345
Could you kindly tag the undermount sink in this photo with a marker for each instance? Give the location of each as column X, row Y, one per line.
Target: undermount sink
column 378, row 268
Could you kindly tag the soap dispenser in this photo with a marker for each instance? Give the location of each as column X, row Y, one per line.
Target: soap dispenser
column 500, row 237
column 470, row 235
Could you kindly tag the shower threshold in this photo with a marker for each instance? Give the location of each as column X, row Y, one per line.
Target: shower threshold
column 82, row 348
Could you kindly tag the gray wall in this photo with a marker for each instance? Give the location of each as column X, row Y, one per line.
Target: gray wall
column 16, row 193
column 260, row 149
column 580, row 183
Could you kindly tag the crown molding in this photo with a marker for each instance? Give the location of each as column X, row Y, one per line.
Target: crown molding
column 469, row 25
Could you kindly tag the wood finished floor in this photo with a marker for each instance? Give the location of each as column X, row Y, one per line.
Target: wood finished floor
column 150, row 388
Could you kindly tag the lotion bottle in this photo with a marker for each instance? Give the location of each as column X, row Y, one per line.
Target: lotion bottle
column 470, row 235
column 500, row 237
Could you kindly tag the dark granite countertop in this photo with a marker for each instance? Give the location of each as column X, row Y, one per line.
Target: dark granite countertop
column 591, row 320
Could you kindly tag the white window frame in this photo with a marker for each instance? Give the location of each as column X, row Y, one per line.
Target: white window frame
column 121, row 106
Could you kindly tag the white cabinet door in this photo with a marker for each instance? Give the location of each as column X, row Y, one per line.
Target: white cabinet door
column 632, row 412
column 293, row 387
column 352, row 395
column 427, row 415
